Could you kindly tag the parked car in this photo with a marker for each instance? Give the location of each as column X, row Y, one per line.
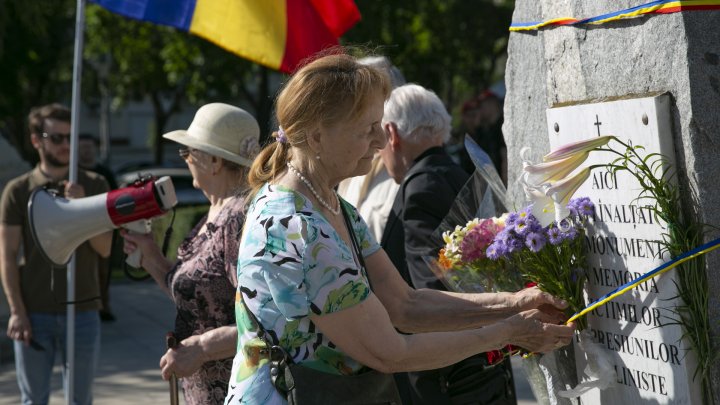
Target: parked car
column 181, row 178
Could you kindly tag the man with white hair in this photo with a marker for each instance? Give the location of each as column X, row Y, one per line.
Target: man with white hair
column 417, row 125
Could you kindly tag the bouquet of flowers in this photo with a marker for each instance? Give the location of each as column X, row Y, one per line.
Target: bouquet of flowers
column 551, row 257
column 509, row 252
column 463, row 264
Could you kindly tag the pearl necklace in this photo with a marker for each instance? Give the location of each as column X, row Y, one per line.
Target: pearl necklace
column 309, row 185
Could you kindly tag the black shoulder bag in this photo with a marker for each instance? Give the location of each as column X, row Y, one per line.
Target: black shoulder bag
column 306, row 386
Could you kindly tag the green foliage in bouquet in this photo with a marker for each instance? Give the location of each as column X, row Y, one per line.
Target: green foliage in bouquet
column 684, row 232
column 553, row 257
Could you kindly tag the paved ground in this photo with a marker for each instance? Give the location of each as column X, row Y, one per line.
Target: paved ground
column 132, row 347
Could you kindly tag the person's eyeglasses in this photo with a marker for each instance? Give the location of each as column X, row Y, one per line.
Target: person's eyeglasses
column 57, row 139
column 185, row 153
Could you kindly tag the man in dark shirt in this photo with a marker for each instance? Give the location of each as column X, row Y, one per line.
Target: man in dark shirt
column 417, row 125
column 35, row 289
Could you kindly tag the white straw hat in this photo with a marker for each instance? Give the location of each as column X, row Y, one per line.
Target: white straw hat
column 222, row 130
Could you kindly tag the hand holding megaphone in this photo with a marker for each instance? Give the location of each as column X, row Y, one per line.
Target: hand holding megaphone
column 139, row 227
column 59, row 225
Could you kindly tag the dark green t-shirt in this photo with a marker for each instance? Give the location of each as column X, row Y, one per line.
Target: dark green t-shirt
column 44, row 288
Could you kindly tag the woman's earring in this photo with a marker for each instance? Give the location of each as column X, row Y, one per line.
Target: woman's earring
column 317, row 156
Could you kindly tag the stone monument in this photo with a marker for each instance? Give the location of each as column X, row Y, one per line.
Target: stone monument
column 673, row 59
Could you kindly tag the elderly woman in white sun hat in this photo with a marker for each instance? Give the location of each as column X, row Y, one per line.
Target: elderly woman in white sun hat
column 218, row 148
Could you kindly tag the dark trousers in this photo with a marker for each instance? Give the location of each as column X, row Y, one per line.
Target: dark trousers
column 104, row 279
column 471, row 381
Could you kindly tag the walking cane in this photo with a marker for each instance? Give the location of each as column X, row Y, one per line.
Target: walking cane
column 171, row 343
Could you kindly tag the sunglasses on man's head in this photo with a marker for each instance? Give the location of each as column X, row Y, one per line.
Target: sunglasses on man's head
column 57, row 139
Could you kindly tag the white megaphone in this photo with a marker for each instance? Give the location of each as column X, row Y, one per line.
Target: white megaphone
column 58, row 225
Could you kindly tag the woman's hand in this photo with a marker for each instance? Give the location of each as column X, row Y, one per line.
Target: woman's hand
column 187, row 358
column 151, row 258
column 184, row 360
column 539, row 331
column 533, row 298
column 145, row 242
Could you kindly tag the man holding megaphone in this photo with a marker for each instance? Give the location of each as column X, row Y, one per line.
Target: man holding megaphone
column 35, row 289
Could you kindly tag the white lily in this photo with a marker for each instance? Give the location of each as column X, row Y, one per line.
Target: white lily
column 538, row 174
column 571, row 149
column 543, row 208
column 550, row 202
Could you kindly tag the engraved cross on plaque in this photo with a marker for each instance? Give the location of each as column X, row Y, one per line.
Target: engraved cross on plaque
column 597, row 123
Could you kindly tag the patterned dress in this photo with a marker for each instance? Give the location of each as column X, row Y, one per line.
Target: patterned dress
column 203, row 284
column 292, row 264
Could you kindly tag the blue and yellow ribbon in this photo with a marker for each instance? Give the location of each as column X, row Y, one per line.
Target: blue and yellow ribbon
column 654, row 7
column 698, row 251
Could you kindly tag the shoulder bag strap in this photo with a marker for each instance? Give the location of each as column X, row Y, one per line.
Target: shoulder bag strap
column 356, row 246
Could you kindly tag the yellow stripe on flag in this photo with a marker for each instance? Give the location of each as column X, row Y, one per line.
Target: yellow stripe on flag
column 253, row 29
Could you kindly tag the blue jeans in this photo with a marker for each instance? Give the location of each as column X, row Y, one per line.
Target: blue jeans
column 34, row 366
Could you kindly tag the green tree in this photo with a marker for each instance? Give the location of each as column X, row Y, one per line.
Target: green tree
column 170, row 67
column 36, row 40
column 455, row 47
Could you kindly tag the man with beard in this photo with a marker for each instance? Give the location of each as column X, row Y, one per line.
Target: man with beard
column 36, row 291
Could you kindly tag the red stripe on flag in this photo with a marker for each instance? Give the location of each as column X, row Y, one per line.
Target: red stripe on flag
column 677, row 9
column 339, row 15
column 306, row 35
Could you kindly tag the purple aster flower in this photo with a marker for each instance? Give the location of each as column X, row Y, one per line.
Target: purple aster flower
column 511, row 219
column 527, row 211
column 532, row 224
column 521, row 226
column 494, row 252
column 569, row 234
column 514, row 244
column 535, row 241
column 586, row 207
column 573, row 206
column 554, row 235
column 505, row 235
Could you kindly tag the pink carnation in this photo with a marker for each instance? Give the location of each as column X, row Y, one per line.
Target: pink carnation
column 477, row 240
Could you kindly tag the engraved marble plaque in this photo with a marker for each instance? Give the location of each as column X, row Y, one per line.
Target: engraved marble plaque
column 653, row 364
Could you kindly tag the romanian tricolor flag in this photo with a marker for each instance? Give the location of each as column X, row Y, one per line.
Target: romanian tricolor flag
column 653, row 7
column 275, row 33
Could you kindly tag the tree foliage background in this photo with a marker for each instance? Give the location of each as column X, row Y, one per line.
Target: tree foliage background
column 455, row 47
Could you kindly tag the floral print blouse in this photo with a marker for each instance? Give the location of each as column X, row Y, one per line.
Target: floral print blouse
column 203, row 284
column 292, row 264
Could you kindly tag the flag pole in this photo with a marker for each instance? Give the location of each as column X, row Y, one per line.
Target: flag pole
column 72, row 177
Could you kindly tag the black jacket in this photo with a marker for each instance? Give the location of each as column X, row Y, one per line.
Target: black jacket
column 423, row 200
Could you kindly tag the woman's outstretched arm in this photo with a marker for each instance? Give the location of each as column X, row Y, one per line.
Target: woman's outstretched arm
column 427, row 310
